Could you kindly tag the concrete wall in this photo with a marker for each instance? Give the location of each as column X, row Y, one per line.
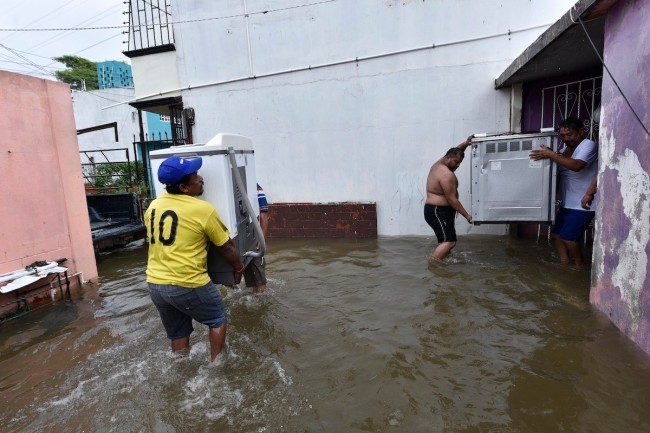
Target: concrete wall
column 43, row 213
column 364, row 131
column 155, row 73
column 621, row 270
column 90, row 110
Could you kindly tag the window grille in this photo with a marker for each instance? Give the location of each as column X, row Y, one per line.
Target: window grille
column 150, row 24
column 579, row 99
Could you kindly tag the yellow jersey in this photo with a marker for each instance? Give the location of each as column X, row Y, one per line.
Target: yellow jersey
column 179, row 228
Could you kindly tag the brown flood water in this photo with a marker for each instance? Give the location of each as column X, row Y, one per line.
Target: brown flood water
column 351, row 336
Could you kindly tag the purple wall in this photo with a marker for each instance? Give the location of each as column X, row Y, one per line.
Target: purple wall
column 532, row 101
column 621, row 271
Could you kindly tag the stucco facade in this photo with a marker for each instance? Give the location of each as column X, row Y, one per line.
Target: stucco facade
column 621, row 268
column 349, row 101
column 44, row 214
column 100, row 107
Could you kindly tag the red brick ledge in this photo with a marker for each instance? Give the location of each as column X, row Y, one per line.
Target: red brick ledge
column 323, row 220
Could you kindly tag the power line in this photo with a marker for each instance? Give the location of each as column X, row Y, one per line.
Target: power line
column 609, row 73
column 50, row 40
column 20, row 56
column 15, row 62
column 100, row 42
column 31, row 64
column 171, row 23
column 128, row 27
column 41, row 17
column 22, row 71
column 90, row 20
column 90, row 92
column 32, row 54
column 87, row 48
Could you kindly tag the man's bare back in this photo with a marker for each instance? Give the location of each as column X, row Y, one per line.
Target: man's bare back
column 442, row 201
column 440, row 175
column 442, row 183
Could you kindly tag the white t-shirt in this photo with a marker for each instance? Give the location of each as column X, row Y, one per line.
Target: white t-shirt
column 574, row 184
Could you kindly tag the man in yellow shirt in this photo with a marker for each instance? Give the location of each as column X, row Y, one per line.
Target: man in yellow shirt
column 179, row 227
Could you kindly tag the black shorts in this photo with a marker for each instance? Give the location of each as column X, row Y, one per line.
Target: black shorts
column 255, row 273
column 441, row 219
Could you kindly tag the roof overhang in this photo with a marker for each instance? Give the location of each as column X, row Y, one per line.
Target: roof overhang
column 564, row 47
column 159, row 106
column 151, row 50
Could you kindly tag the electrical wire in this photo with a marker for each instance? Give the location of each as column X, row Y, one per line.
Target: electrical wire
column 33, row 65
column 15, row 62
column 40, row 18
column 41, row 68
column 50, row 40
column 608, row 71
column 92, row 19
column 171, row 23
column 97, row 43
column 90, row 92
column 32, row 54
column 22, row 71
column 87, row 48
column 20, row 56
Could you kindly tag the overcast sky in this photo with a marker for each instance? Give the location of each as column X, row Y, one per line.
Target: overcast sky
column 30, row 52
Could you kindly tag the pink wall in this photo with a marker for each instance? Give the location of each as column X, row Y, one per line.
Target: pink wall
column 43, row 212
column 621, row 268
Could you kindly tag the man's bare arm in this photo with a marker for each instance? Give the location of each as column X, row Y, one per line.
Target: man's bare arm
column 589, row 195
column 448, row 184
column 264, row 223
column 462, row 146
column 565, row 161
column 231, row 253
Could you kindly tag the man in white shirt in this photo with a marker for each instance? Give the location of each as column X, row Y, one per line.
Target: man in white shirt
column 577, row 167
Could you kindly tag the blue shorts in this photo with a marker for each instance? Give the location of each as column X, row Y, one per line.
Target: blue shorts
column 570, row 224
column 179, row 305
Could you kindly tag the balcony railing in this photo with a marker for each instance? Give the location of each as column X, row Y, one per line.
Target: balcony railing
column 150, row 25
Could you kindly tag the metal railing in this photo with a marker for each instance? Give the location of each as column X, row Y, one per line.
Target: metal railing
column 579, row 99
column 142, row 149
column 150, row 24
column 100, row 174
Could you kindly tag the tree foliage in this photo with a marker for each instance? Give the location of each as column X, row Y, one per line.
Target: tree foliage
column 79, row 71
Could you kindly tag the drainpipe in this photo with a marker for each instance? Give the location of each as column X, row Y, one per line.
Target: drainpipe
column 248, row 41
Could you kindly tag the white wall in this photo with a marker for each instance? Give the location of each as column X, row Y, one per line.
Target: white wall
column 90, row 110
column 366, row 131
column 155, row 73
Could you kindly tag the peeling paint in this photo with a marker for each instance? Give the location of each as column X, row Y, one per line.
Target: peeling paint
column 632, row 270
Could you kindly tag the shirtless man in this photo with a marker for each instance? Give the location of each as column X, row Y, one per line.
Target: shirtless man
column 442, row 199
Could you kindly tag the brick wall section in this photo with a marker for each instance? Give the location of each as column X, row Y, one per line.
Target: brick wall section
column 331, row 220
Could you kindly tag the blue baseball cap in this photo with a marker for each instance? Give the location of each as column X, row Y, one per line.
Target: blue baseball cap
column 175, row 168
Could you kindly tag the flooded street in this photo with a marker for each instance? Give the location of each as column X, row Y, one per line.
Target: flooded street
column 351, row 336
